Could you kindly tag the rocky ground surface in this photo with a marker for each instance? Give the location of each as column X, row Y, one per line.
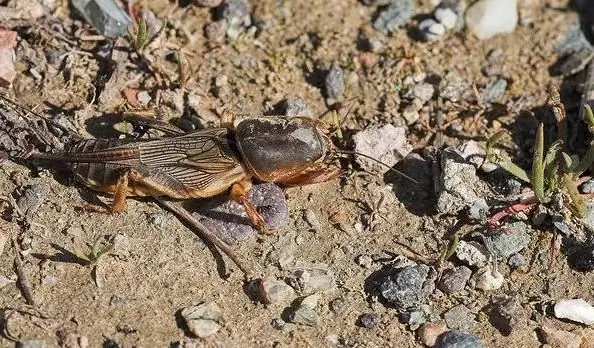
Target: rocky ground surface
column 460, row 253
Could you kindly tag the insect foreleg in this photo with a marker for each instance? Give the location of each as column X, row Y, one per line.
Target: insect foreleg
column 239, row 194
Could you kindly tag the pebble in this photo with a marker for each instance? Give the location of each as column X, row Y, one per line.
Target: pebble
column 494, row 90
column 105, row 16
column 487, row 279
column 472, row 253
column 576, row 310
column 7, row 56
column 237, row 14
column 370, row 320
column 202, row 320
column 215, row 31
column 453, row 86
column 514, row 239
column 516, row 260
column 408, row 287
column 487, row 18
column 208, row 3
column 334, row 82
column 458, row 183
column 446, row 16
column 588, row 219
column 417, row 317
column 422, row 91
column 304, row 315
column 588, row 187
column 295, row 107
column 429, row 332
column 394, row 16
column 459, row 317
column 494, row 55
column 143, row 97
column 454, row 280
column 277, row 323
column 582, row 257
column 310, row 279
column 364, row 261
column 31, row 344
column 431, row 30
column 386, row 143
column 539, row 215
column 458, row 339
column 411, row 112
column 32, row 198
column 507, row 315
column 478, row 210
column 273, row 290
column 268, row 198
column 560, row 338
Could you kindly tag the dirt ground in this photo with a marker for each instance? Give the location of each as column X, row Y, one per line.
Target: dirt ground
column 158, row 266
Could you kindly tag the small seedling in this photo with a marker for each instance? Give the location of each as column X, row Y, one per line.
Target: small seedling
column 98, row 248
column 554, row 173
column 139, row 35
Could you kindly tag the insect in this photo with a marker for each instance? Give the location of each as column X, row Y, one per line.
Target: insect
column 288, row 151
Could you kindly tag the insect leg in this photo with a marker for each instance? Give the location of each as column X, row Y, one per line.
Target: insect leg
column 238, row 193
column 119, row 198
column 143, row 121
column 320, row 172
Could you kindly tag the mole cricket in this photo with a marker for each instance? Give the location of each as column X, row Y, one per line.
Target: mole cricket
column 290, row 151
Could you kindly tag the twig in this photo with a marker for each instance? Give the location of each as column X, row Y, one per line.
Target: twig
column 22, row 276
column 205, row 233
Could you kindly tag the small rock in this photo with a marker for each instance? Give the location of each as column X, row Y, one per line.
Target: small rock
column 215, row 31
column 459, row 339
column 514, row 239
column 452, row 87
column 105, row 16
column 310, row 301
column 408, row 287
column 295, row 107
column 5, row 281
column 472, row 253
column 494, row 90
column 268, row 198
column 588, row 187
column 208, row 3
column 364, row 261
column 487, row 18
column 540, row 215
column 576, row 310
column 454, row 280
column 478, row 210
column 560, row 338
column 202, row 320
column 446, row 16
column 7, row 56
column 458, row 184
column 370, row 320
column 494, row 55
column 507, row 315
column 417, row 317
column 459, row 317
column 582, row 257
column 516, row 260
column 304, row 315
column 334, row 82
column 422, row 91
column 429, row 332
column 273, row 290
column 394, row 16
column 32, row 198
column 144, row 97
column 310, row 279
column 237, row 14
column 31, row 344
column 411, row 112
column 487, row 279
column 431, row 30
column 277, row 323
column 386, row 143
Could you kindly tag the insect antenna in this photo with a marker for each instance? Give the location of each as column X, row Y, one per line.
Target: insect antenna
column 349, row 152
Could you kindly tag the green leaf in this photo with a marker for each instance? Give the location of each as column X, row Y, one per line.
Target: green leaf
column 537, row 178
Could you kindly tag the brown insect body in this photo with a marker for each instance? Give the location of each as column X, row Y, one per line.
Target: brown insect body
column 205, row 163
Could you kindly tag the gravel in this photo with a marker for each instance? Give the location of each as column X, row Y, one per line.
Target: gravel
column 394, row 16
column 408, row 287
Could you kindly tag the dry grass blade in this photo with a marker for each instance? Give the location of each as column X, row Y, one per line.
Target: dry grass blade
column 537, row 177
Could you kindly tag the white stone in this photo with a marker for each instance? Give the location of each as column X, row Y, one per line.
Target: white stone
column 575, row 310
column 487, row 279
column 446, row 16
column 487, row 18
column 386, row 143
column 431, row 29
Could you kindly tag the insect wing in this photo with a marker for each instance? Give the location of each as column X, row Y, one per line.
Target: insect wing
column 198, row 159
